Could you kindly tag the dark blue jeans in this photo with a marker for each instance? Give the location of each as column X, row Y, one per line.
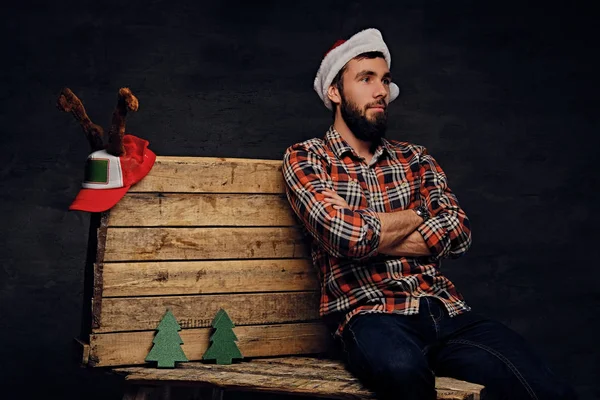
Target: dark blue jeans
column 399, row 356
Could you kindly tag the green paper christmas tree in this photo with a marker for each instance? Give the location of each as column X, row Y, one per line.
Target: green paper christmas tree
column 223, row 348
column 167, row 343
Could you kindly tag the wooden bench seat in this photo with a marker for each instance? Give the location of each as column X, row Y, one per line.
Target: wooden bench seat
column 197, row 235
column 308, row 376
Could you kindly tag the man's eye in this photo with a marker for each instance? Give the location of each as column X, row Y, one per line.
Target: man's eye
column 387, row 81
column 365, row 79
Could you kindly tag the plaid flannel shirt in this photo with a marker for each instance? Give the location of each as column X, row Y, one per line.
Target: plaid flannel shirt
column 354, row 277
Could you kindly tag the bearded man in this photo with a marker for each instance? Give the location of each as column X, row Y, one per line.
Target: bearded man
column 381, row 218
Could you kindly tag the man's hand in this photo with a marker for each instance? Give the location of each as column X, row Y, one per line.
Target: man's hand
column 398, row 235
column 412, row 246
column 335, row 199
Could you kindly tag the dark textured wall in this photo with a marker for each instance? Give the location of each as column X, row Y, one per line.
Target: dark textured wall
column 503, row 95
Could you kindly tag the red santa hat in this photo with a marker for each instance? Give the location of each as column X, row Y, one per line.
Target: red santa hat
column 108, row 177
column 345, row 50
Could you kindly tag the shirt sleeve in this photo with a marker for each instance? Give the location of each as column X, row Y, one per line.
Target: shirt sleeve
column 447, row 233
column 343, row 233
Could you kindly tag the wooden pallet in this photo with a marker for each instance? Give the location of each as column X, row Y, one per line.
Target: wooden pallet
column 197, row 235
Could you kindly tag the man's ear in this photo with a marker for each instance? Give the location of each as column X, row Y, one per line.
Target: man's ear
column 334, row 94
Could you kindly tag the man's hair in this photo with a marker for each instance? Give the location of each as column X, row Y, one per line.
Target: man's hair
column 338, row 81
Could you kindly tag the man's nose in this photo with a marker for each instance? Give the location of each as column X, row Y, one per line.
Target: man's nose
column 381, row 90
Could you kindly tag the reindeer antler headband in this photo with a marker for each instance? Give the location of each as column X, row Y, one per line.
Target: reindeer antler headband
column 69, row 102
column 113, row 168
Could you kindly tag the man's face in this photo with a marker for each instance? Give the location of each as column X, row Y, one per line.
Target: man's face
column 365, row 97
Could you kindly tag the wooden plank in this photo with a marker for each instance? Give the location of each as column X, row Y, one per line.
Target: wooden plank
column 128, row 348
column 95, row 302
column 230, row 378
column 297, row 361
column 177, row 209
column 334, row 369
column 144, row 313
column 332, row 382
column 89, row 282
column 212, row 175
column 203, row 277
column 139, row 244
column 81, row 351
column 450, row 389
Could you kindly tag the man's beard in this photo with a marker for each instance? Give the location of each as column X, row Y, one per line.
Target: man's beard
column 363, row 128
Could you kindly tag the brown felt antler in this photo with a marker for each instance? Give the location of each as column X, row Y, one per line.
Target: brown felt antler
column 68, row 102
column 126, row 102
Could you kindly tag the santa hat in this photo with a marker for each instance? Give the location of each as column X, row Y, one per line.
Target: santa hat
column 108, row 177
column 345, row 50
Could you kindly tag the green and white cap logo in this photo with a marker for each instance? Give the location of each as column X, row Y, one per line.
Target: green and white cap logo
column 102, row 171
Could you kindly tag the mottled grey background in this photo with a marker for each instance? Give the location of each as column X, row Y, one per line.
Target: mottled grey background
column 503, row 94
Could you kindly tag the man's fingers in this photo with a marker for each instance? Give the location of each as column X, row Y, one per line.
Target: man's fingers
column 331, row 193
column 335, row 199
column 336, row 202
column 339, row 202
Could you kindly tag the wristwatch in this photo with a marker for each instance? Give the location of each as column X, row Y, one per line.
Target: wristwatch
column 422, row 212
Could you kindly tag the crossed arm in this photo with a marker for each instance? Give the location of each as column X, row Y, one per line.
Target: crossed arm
column 362, row 233
column 398, row 236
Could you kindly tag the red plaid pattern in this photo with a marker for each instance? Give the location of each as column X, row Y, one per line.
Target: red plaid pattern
column 354, row 277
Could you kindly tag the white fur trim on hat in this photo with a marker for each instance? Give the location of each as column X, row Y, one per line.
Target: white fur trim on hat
column 362, row 42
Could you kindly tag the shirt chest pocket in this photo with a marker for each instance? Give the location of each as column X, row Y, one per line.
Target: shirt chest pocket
column 352, row 192
column 401, row 194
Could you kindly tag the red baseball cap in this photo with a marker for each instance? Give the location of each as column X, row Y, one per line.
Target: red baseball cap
column 107, row 177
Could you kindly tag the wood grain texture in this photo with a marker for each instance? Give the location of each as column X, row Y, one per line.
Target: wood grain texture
column 94, row 272
column 144, row 313
column 305, row 376
column 212, row 175
column 139, row 244
column 127, row 348
column 202, row 277
column 177, row 209
column 81, row 351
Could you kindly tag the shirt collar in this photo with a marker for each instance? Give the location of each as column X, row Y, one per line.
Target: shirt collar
column 339, row 146
column 390, row 150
